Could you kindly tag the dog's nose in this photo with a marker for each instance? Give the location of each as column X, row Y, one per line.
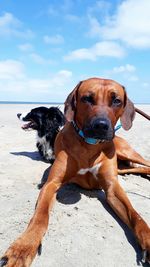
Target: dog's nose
column 101, row 125
column 19, row 115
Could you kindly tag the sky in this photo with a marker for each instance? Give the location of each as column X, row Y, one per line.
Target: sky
column 48, row 46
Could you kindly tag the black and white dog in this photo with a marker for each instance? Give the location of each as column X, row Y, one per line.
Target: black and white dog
column 47, row 122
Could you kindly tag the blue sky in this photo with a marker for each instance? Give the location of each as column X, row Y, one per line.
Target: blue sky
column 47, row 47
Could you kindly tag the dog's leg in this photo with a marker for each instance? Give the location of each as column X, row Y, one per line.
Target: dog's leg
column 126, row 152
column 22, row 252
column 137, row 170
column 119, row 202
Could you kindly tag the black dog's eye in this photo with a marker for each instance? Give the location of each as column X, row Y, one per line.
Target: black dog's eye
column 87, row 99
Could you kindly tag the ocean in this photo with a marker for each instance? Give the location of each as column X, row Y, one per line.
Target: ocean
column 32, row 103
column 46, row 103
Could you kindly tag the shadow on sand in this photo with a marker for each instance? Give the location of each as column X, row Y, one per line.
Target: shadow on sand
column 34, row 155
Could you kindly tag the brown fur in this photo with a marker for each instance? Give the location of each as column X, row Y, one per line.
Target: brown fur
column 74, row 155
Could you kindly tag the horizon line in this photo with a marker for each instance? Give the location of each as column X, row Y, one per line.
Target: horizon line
column 29, row 102
column 51, row 103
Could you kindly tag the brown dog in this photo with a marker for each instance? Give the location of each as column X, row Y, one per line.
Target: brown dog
column 86, row 153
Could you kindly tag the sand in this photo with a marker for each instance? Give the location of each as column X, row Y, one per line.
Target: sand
column 83, row 230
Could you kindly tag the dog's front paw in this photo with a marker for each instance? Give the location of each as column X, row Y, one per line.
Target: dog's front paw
column 20, row 254
column 146, row 256
column 143, row 236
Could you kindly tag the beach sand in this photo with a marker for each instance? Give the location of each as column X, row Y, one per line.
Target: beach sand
column 83, row 230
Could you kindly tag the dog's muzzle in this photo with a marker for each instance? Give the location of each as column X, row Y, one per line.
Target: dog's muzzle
column 99, row 128
column 30, row 123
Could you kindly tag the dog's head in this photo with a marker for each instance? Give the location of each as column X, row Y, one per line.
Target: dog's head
column 96, row 105
column 41, row 117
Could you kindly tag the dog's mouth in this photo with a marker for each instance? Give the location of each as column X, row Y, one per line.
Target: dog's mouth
column 31, row 125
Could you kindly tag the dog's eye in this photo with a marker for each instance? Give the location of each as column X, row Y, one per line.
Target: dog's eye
column 116, row 102
column 87, row 99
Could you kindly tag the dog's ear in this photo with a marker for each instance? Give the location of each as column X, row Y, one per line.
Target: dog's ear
column 55, row 114
column 70, row 103
column 128, row 114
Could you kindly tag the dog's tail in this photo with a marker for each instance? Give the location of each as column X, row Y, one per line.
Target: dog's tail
column 142, row 113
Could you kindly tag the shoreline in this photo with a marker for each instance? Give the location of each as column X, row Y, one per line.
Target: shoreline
column 47, row 103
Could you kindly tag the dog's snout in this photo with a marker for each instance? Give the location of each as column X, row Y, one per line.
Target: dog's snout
column 101, row 125
column 19, row 115
column 99, row 128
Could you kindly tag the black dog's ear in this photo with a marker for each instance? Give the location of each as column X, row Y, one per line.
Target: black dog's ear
column 128, row 114
column 60, row 117
column 70, row 103
column 55, row 113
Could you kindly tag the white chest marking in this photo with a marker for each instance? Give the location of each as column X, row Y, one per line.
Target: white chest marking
column 61, row 127
column 46, row 148
column 94, row 170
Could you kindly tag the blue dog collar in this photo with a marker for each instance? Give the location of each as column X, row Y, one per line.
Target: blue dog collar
column 118, row 126
column 92, row 141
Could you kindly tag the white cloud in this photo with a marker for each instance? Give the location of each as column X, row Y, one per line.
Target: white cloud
column 64, row 7
column 14, row 79
column 133, row 78
column 54, row 82
column 8, row 19
column 11, row 26
column 65, row 73
column 125, row 73
column 40, row 60
column 95, row 27
column 109, row 49
column 130, row 24
column 125, row 68
column 11, row 69
column 145, row 84
column 100, row 7
column 25, row 47
column 55, row 40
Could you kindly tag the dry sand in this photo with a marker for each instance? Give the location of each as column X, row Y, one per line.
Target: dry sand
column 83, row 231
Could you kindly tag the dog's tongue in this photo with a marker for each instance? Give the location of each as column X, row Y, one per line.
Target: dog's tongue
column 26, row 126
